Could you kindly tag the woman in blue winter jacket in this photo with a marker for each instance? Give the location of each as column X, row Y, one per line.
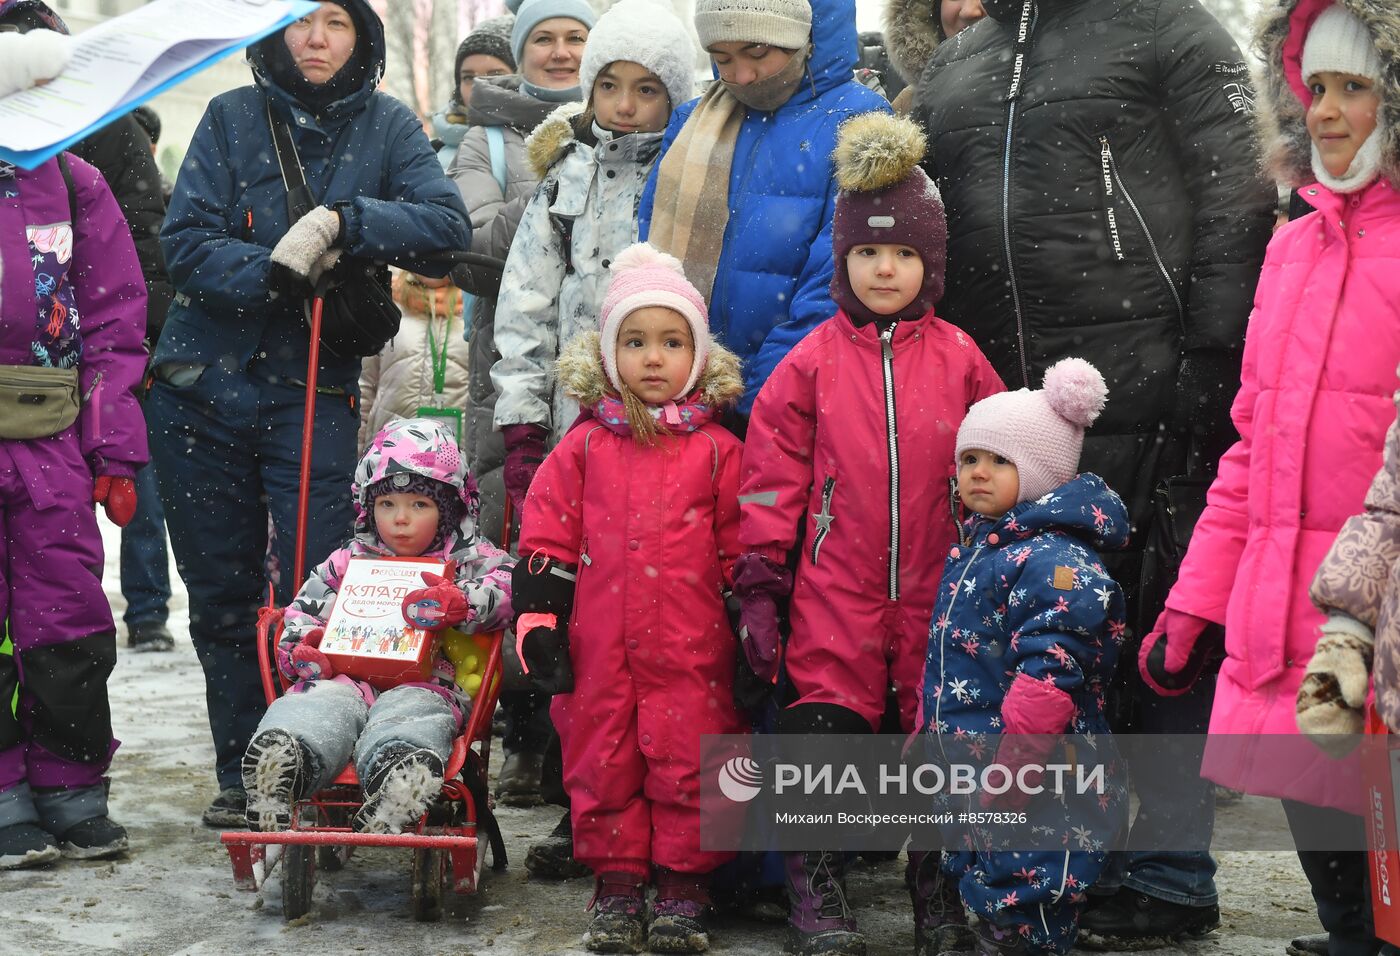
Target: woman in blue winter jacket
column 744, row 191
column 227, row 404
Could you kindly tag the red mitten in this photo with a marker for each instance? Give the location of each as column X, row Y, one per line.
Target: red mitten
column 117, row 496
column 441, row 604
column 1174, row 654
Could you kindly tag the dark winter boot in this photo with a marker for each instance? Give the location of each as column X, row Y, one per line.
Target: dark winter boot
column 93, row 839
column 402, row 783
column 940, row 922
column 229, row 811
column 619, row 907
column 819, row 921
column 992, row 941
column 518, row 783
column 1315, row 944
column 553, row 857
column 149, row 636
column 1133, row 921
column 274, row 774
column 679, row 914
column 25, row 845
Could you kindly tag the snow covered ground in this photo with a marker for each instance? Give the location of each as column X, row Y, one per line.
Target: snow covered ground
column 174, row 893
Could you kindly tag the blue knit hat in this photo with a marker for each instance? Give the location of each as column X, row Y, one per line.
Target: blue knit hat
column 534, row 12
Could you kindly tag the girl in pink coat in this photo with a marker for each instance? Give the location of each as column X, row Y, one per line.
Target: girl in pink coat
column 630, row 532
column 854, row 431
column 1312, row 412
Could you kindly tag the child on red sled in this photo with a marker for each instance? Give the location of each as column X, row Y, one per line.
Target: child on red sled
column 413, row 497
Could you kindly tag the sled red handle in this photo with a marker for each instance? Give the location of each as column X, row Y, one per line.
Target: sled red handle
column 308, row 423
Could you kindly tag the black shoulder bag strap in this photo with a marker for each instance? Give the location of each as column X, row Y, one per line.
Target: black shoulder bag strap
column 72, row 190
column 300, row 201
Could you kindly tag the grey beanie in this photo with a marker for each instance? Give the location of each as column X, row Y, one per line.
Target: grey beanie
column 786, row 24
column 534, row 12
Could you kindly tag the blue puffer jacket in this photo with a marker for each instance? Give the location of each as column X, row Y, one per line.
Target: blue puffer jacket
column 1028, row 594
column 775, row 270
column 365, row 154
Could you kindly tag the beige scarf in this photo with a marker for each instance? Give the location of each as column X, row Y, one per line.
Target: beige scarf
column 691, row 209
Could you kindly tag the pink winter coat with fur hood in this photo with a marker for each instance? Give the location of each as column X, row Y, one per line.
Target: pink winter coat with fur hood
column 1312, row 412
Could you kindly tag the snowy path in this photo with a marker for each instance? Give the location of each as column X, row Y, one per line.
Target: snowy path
column 174, row 893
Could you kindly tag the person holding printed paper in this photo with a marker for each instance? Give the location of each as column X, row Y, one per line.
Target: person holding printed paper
column 413, row 497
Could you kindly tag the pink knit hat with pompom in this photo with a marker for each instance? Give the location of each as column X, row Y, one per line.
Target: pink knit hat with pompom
column 1041, row 433
column 643, row 276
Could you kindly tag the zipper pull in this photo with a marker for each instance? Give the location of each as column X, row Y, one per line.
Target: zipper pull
column 96, row 384
column 1104, row 157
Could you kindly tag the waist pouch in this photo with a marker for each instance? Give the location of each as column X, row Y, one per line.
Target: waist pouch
column 37, row 402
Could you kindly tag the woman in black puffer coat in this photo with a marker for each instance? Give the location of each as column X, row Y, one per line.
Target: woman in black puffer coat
column 1108, row 205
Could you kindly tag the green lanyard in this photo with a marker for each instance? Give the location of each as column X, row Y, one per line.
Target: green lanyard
column 438, row 354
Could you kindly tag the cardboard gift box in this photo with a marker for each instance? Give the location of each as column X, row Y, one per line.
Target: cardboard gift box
column 366, row 636
column 1380, row 757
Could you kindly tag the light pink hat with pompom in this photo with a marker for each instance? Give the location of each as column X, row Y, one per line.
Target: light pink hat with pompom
column 1041, row 433
column 643, row 276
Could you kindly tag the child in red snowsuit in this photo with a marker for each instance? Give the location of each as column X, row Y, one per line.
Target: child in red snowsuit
column 638, row 502
column 854, row 432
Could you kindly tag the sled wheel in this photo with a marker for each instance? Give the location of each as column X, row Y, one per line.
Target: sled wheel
column 332, row 859
column 429, row 875
column 298, row 880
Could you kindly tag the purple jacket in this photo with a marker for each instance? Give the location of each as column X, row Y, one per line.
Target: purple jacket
column 73, row 298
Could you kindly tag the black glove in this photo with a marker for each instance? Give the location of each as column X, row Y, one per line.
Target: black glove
column 287, row 284
column 545, row 652
column 1205, row 389
column 541, row 585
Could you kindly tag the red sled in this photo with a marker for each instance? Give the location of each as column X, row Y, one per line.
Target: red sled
column 446, row 842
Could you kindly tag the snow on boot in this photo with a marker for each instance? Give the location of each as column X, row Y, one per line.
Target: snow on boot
column 24, row 845
column 819, row 921
column 553, row 857
column 679, row 913
column 402, row 783
column 619, row 914
column 274, row 774
column 93, row 839
column 940, row 922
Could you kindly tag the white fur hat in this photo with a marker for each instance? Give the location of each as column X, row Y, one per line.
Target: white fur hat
column 646, row 33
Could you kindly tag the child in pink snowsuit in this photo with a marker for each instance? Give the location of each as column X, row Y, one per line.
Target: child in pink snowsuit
column 72, row 316
column 638, row 502
column 1314, row 404
column 854, row 432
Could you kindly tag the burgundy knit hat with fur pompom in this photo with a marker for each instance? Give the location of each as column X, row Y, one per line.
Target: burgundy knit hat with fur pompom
column 885, row 197
column 1041, row 433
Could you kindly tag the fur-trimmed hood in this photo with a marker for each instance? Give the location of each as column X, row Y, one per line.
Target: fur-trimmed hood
column 551, row 138
column 912, row 32
column 1282, row 28
column 582, row 377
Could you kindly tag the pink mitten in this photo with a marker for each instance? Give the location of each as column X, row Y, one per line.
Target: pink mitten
column 1174, row 654
column 1034, row 714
